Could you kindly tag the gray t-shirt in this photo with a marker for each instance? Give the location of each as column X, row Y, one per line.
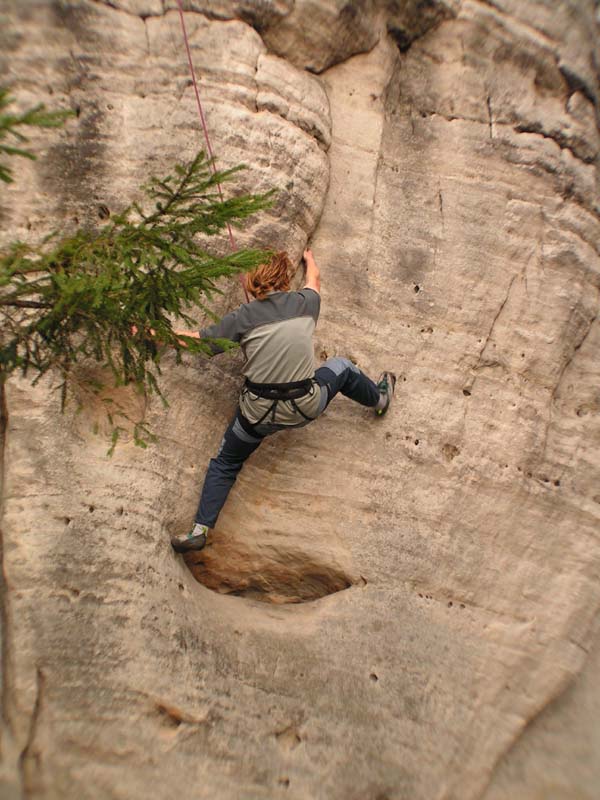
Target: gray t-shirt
column 275, row 335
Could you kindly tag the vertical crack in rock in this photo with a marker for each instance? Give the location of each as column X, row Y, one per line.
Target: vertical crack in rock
column 147, row 35
column 567, row 363
column 383, row 91
column 480, row 359
column 5, row 627
column 28, row 759
column 571, row 356
column 490, row 116
column 4, row 615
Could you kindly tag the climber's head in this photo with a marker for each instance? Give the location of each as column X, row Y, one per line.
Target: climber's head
column 273, row 276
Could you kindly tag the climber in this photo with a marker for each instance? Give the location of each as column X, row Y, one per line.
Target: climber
column 282, row 389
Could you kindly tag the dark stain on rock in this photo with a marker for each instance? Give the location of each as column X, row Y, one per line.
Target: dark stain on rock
column 76, row 163
column 401, row 37
column 409, row 21
column 83, row 21
column 450, row 451
column 74, row 166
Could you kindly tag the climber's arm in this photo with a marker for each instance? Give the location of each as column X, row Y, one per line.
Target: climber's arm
column 191, row 334
column 226, row 328
column 313, row 273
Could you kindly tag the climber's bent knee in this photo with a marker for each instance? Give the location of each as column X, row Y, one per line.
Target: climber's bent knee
column 338, row 365
column 341, row 375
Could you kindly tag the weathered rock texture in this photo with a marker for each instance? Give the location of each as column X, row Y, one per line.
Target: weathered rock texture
column 446, row 169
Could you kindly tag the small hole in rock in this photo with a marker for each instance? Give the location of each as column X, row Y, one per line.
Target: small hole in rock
column 284, row 782
column 77, row 111
column 91, row 509
column 171, row 716
column 450, row 451
column 120, row 511
column 416, row 441
column 67, row 520
column 417, row 288
column 450, row 603
column 181, row 586
column 557, row 483
column 466, row 393
column 462, row 605
column 103, row 211
column 373, row 677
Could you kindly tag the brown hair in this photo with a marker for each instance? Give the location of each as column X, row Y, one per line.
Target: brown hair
column 274, row 276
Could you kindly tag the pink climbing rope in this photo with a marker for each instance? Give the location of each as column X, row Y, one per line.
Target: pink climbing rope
column 205, row 129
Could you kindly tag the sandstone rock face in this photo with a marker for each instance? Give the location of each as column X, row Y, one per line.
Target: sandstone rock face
column 387, row 608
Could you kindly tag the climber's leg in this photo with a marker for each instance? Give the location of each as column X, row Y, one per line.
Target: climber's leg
column 341, row 375
column 236, row 446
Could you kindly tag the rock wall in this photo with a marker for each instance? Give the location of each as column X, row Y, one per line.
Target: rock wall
column 387, row 609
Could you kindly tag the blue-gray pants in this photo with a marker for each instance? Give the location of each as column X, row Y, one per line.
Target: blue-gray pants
column 241, row 438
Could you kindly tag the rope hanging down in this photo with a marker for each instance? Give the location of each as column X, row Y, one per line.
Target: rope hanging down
column 205, row 129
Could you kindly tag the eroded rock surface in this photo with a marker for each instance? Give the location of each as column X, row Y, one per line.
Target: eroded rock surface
column 451, row 190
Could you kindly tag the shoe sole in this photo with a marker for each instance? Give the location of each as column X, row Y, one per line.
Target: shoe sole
column 187, row 546
column 382, row 411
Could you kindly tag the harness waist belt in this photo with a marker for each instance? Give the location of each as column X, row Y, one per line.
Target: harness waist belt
column 280, row 391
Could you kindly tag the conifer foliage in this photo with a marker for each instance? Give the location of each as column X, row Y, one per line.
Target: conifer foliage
column 111, row 295
column 12, row 138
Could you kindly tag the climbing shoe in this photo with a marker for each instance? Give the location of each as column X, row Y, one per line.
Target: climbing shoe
column 386, row 385
column 194, row 540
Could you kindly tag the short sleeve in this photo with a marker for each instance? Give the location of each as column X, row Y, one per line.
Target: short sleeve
column 312, row 300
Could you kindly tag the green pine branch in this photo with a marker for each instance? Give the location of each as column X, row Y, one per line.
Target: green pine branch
column 11, row 126
column 81, row 297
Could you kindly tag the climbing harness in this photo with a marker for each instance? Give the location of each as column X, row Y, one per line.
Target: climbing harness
column 277, row 392
column 205, row 129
